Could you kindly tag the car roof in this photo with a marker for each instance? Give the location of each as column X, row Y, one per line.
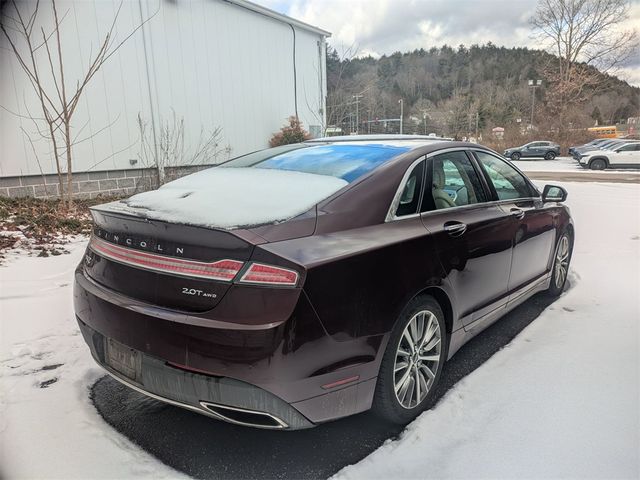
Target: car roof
column 410, row 141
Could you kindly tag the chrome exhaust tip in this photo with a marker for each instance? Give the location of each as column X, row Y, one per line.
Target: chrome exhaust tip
column 243, row 416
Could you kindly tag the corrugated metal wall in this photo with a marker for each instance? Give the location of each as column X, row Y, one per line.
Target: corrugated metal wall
column 210, row 62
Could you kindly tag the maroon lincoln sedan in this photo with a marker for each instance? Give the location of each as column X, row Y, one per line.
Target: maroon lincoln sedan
column 300, row 284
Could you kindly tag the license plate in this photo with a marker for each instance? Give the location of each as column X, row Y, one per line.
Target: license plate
column 123, row 359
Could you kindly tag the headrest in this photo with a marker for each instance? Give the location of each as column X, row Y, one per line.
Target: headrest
column 438, row 175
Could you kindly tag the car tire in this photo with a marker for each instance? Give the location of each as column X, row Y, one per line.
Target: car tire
column 550, row 156
column 396, row 398
column 561, row 261
column 598, row 164
column 515, row 156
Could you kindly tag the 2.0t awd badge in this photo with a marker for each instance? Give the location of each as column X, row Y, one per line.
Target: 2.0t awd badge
column 197, row 293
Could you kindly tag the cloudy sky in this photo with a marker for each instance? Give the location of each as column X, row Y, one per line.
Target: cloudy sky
column 384, row 26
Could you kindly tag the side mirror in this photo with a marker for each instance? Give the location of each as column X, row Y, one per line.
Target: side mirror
column 554, row 193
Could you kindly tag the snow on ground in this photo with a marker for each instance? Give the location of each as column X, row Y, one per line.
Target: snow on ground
column 232, row 197
column 566, row 164
column 48, row 426
column 562, row 399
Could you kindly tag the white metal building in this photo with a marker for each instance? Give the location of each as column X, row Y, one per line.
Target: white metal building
column 213, row 63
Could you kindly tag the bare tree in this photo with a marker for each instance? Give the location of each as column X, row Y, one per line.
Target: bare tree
column 172, row 150
column 39, row 53
column 340, row 103
column 587, row 31
column 584, row 35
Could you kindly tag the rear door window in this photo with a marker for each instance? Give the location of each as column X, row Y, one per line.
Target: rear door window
column 628, row 148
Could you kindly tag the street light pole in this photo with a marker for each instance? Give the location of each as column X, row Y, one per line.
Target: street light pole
column 401, row 102
column 533, row 84
column 424, row 120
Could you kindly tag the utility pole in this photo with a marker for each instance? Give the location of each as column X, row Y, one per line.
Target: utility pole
column 357, row 98
column 424, row 120
column 533, row 84
column 477, row 121
column 401, row 102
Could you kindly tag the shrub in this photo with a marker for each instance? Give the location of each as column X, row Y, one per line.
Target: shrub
column 292, row 133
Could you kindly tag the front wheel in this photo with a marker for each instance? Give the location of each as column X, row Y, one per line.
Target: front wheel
column 515, row 156
column 412, row 362
column 598, row 164
column 550, row 156
column 561, row 261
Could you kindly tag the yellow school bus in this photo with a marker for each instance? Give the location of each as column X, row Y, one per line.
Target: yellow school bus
column 604, row 132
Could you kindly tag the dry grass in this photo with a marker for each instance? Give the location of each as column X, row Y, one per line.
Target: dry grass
column 43, row 226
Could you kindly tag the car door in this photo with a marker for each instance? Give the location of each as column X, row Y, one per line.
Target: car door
column 537, row 148
column 527, row 149
column 532, row 222
column 627, row 155
column 472, row 237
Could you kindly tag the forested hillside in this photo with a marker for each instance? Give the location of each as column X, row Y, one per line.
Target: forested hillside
column 458, row 91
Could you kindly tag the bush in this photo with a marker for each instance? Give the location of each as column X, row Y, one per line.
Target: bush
column 292, row 133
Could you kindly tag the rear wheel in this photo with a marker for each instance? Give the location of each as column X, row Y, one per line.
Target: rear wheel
column 412, row 362
column 515, row 156
column 598, row 164
column 561, row 262
column 550, row 156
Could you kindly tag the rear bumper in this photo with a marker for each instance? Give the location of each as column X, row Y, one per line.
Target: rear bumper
column 219, row 397
column 289, row 372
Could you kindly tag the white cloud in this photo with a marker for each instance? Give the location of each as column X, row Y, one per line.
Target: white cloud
column 380, row 27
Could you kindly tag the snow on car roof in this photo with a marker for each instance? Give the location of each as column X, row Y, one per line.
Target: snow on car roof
column 230, row 198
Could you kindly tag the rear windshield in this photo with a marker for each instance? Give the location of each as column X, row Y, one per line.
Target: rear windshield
column 347, row 162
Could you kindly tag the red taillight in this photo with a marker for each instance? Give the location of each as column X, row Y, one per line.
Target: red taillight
column 269, row 275
column 225, row 270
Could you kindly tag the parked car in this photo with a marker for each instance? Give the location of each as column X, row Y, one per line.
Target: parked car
column 606, row 145
column 621, row 154
column 301, row 284
column 592, row 144
column 546, row 150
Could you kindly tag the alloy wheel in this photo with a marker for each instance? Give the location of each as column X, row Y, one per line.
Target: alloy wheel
column 417, row 358
column 562, row 262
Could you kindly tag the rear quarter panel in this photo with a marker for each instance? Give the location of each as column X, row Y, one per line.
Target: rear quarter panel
column 359, row 280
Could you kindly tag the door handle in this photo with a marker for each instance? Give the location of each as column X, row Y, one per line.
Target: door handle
column 455, row 229
column 518, row 213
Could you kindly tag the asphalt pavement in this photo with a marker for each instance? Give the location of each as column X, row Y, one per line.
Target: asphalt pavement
column 205, row 448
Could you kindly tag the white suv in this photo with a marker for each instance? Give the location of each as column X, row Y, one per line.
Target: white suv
column 621, row 155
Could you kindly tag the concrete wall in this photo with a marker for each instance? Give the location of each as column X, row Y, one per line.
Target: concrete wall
column 209, row 62
column 92, row 184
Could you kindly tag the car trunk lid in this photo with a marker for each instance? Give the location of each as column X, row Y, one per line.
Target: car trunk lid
column 170, row 265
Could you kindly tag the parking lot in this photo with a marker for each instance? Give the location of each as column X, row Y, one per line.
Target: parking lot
column 568, row 170
column 530, row 376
